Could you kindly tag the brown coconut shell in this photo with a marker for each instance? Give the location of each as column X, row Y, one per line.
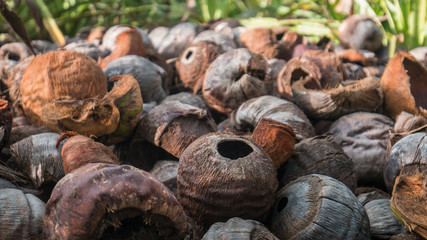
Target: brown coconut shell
column 58, row 74
column 409, row 198
column 222, row 176
column 174, row 125
column 405, row 84
column 277, row 139
column 260, row 41
column 80, row 150
column 102, row 200
column 14, row 83
column 329, row 64
column 360, row 32
column 194, row 62
column 287, row 44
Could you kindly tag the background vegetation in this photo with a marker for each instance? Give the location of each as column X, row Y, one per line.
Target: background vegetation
column 403, row 22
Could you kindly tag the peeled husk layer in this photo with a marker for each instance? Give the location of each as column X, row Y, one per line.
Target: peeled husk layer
column 58, row 75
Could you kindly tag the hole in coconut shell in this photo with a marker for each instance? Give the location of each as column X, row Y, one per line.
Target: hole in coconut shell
column 298, row 74
column 282, row 204
column 188, row 55
column 307, row 81
column 234, row 149
column 418, row 82
column 131, row 223
column 13, row 56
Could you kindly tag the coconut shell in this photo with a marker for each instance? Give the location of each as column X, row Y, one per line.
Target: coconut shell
column 363, row 95
column 260, row 41
column 14, row 51
column 318, row 207
column 237, row 228
column 87, row 48
column 406, row 122
column 363, row 137
column 404, row 85
column 275, row 138
column 79, row 150
column 330, row 67
column 319, row 155
column 409, row 198
column 105, row 200
column 126, row 95
column 381, row 219
column 174, row 125
column 177, row 39
column 194, row 62
column 219, row 39
column 247, row 116
column 5, row 123
column 287, row 44
column 360, row 32
column 187, row 98
column 225, row 88
column 166, row 172
column 222, row 176
column 14, row 83
column 59, row 74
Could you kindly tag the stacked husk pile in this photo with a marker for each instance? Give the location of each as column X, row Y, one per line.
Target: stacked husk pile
column 213, row 131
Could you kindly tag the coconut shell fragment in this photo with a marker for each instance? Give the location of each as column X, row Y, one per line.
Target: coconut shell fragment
column 174, row 125
column 5, row 123
column 360, row 32
column 318, row 207
column 409, row 198
column 405, row 85
column 102, row 200
column 222, row 176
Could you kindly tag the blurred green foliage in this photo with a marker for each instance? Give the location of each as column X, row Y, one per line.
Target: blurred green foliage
column 403, row 22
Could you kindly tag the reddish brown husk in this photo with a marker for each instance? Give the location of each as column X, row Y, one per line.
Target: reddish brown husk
column 115, row 202
column 5, row 122
column 96, row 34
column 129, row 42
column 194, row 62
column 56, row 75
column 409, row 198
column 287, row 44
column 330, row 67
column 260, row 41
column 174, row 125
column 79, row 150
column 277, row 139
column 405, row 85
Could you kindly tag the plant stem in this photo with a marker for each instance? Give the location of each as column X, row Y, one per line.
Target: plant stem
column 50, row 23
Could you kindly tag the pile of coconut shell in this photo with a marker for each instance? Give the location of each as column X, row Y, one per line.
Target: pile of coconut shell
column 213, row 131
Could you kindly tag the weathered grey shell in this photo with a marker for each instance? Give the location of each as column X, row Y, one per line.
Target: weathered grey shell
column 88, row 48
column 177, row 39
column 14, row 51
column 381, row 219
column 237, row 228
column 410, row 149
column 149, row 75
column 224, row 41
column 364, row 137
column 21, row 215
column 157, row 35
column 39, row 158
column 318, row 207
column 187, row 98
column 166, row 172
column 251, row 111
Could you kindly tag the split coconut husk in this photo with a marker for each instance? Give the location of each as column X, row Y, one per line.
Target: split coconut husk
column 409, row 198
column 405, row 85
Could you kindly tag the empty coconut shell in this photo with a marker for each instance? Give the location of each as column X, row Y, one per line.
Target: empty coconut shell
column 360, row 32
column 409, row 198
column 106, row 200
column 222, row 176
column 405, row 85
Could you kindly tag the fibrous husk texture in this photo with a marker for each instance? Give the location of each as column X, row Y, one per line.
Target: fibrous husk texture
column 166, row 172
column 250, row 113
column 57, row 75
column 406, row 122
column 319, row 155
column 381, row 219
column 149, row 75
column 277, row 139
column 194, row 62
column 14, row 83
column 173, row 126
column 360, row 32
column 80, row 150
column 110, row 36
column 408, row 150
column 405, row 84
column 222, row 176
column 37, row 156
column 318, row 207
column 233, row 78
column 115, row 202
column 260, row 41
column 409, row 198
column 364, row 137
column 21, row 216
column 237, row 228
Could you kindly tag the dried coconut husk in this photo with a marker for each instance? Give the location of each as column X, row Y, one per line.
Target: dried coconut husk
column 87, row 48
column 102, row 200
column 5, row 123
column 260, row 41
column 96, row 34
column 363, row 95
column 405, row 85
column 409, row 198
column 129, row 42
column 360, row 32
column 187, row 98
column 287, row 44
column 329, row 64
column 14, row 83
column 158, row 59
column 59, row 74
column 166, row 172
column 93, row 116
column 126, row 95
column 14, row 51
column 20, row 132
column 277, row 139
column 355, row 56
column 219, row 39
column 194, row 62
column 80, row 150
column 174, row 125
